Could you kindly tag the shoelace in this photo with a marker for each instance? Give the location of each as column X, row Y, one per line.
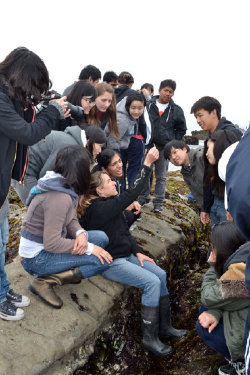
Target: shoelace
column 239, row 368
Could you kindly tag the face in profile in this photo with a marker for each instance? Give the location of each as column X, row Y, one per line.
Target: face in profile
column 210, row 152
column 108, row 188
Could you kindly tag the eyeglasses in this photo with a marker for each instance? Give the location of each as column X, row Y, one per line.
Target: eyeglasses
column 173, row 153
column 89, row 101
column 115, row 163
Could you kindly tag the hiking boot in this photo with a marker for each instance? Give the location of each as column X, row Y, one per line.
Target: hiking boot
column 8, row 311
column 17, row 299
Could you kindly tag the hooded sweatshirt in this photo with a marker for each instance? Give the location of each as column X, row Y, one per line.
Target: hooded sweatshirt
column 42, row 155
column 50, row 217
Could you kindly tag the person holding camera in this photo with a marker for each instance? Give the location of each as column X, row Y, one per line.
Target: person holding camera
column 24, row 78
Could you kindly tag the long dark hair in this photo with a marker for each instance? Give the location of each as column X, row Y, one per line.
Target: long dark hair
column 73, row 163
column 104, row 158
column 225, row 238
column 26, row 76
column 80, row 89
column 222, row 139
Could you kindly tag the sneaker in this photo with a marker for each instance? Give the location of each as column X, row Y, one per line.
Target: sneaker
column 158, row 209
column 225, row 370
column 17, row 299
column 239, row 368
column 144, row 202
column 10, row 312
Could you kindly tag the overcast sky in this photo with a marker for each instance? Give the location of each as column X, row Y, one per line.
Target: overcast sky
column 202, row 45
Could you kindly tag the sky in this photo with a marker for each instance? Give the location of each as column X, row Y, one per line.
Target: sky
column 202, row 45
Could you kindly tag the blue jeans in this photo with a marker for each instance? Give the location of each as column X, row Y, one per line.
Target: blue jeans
column 161, row 167
column 151, row 278
column 133, row 155
column 4, row 283
column 216, row 339
column 218, row 212
column 46, row 263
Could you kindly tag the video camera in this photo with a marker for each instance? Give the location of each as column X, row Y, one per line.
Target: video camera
column 76, row 111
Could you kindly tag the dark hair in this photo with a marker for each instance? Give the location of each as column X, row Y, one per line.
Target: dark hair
column 134, row 96
column 110, row 114
column 73, row 163
column 125, row 78
column 148, row 86
column 94, row 134
column 208, row 104
column 168, row 82
column 176, row 144
column 26, row 76
column 225, row 238
column 80, row 89
column 105, row 157
column 110, row 76
column 222, row 139
column 90, row 71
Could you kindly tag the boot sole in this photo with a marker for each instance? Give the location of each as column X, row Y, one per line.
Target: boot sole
column 33, row 290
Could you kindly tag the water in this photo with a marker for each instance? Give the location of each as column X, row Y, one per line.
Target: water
column 172, row 167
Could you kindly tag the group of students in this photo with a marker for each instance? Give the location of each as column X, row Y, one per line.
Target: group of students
column 80, row 208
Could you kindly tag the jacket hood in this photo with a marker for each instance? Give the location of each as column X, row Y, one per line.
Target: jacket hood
column 120, row 108
column 223, row 123
column 51, row 182
column 239, row 256
column 78, row 134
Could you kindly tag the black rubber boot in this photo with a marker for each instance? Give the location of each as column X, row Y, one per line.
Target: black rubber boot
column 166, row 330
column 150, row 329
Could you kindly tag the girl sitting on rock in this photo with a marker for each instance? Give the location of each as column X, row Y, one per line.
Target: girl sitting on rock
column 221, row 324
column 44, row 249
column 104, row 211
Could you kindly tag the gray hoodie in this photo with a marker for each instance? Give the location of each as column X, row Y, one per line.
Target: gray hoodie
column 127, row 127
column 42, row 155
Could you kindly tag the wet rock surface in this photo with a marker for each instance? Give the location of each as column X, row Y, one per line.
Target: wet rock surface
column 98, row 330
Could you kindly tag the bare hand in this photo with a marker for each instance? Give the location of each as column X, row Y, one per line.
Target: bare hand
column 62, row 102
column 134, row 206
column 141, row 257
column 212, row 257
column 145, row 92
column 101, row 254
column 152, row 156
column 80, row 244
column 208, row 321
column 205, row 217
column 67, row 113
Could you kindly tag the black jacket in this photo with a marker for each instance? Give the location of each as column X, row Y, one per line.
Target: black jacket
column 16, row 132
column 106, row 214
column 171, row 125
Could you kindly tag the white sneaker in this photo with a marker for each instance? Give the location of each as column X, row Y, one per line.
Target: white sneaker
column 17, row 299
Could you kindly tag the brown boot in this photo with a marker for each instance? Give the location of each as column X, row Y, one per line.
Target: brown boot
column 43, row 285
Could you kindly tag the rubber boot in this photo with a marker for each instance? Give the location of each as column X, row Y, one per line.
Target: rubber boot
column 150, row 329
column 42, row 286
column 166, row 330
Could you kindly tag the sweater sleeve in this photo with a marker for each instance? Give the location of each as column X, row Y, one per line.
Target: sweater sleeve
column 16, row 128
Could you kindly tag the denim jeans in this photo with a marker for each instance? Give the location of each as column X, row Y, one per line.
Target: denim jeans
column 216, row 339
column 150, row 278
column 161, row 167
column 4, row 283
column 46, row 263
column 218, row 212
column 133, row 155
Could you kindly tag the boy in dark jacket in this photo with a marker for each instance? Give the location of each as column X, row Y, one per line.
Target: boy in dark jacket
column 168, row 123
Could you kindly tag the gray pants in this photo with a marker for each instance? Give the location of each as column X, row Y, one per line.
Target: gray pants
column 24, row 189
column 161, row 167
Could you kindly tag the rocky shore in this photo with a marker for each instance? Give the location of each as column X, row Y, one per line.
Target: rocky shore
column 97, row 331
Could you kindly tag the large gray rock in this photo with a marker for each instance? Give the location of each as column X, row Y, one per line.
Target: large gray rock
column 55, row 342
